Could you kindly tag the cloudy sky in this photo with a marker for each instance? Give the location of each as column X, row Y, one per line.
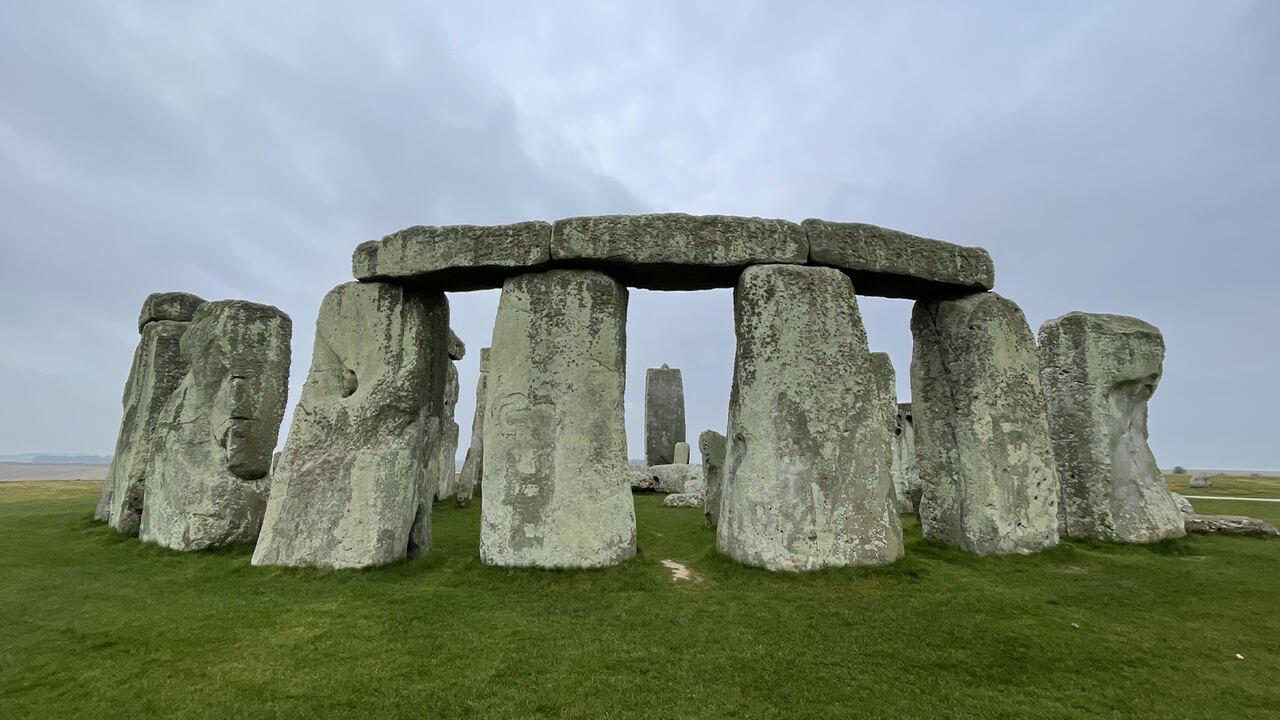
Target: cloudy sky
column 1118, row 157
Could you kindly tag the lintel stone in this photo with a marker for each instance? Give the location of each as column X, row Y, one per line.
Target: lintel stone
column 455, row 257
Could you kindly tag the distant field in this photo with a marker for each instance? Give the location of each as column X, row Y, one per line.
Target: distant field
column 1229, row 486
column 10, row 471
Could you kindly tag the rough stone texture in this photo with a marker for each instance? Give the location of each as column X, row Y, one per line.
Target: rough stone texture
column 158, row 367
column 889, row 263
column 345, row 492
column 1098, row 373
column 672, row 478
column 641, row 480
column 555, row 449
column 905, row 452
column 663, row 414
column 685, row 500
column 982, row 440
column 1200, row 481
column 1183, row 504
column 176, row 306
column 711, row 445
column 457, row 348
column 681, row 454
column 446, row 465
column 1229, row 525
column 806, row 482
column 456, row 257
column 886, row 386
column 473, row 464
column 673, row 251
column 208, row 478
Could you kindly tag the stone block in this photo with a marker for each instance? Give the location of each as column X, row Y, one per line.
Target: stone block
column 455, row 257
column 681, row 454
column 886, row 385
column 1200, row 480
column 1229, row 525
column 672, row 478
column 663, row 414
column 473, row 464
column 889, row 263
column 711, row 446
column 175, row 306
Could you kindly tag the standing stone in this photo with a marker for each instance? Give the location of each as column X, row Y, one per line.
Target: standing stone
column 158, row 367
column 446, row 461
column 663, row 414
column 208, row 478
column 681, row 454
column 986, row 463
column 806, row 481
column 347, row 488
column 905, row 451
column 473, row 465
column 1099, row 372
column 555, row 449
column 1200, row 480
column 711, row 445
column 886, row 383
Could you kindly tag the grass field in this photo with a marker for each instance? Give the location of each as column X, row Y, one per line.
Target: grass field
column 1252, row 486
column 101, row 626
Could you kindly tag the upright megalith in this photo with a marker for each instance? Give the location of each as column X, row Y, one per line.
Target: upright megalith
column 158, row 367
column 989, row 484
column 556, row 491
column 473, row 464
column 711, row 446
column 663, row 414
column 806, row 480
column 904, row 452
column 1099, row 371
column 445, row 464
column 886, row 384
column 356, row 465
column 681, row 454
column 211, row 451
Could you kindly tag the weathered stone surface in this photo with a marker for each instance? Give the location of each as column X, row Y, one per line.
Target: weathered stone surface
column 641, row 480
column 473, row 464
column 446, row 465
column 889, row 263
column 158, row 367
column 457, row 348
column 208, row 478
column 672, row 478
column 886, row 387
column 673, row 251
column 346, row 490
column 904, row 450
column 990, row 485
column 681, row 454
column 806, row 482
column 555, row 449
column 1183, row 504
column 663, row 414
column 1229, row 525
column 711, row 445
column 455, row 257
column 1098, row 373
column 1200, row 481
column 176, row 306
column 685, row 500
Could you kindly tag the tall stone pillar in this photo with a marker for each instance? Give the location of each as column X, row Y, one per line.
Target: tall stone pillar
column 904, row 450
column 556, row 489
column 663, row 414
column 347, row 488
column 806, row 479
column 1099, row 371
column 711, row 446
column 158, row 367
column 887, row 388
column 446, row 465
column 211, row 453
column 989, row 484
column 473, row 465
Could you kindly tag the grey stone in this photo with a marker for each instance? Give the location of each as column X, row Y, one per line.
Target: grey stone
column 347, row 488
column 457, row 348
column 672, row 478
column 1229, row 525
column 886, row 386
column 806, row 482
column 208, row 480
column 889, row 263
column 158, row 367
column 905, row 454
column 473, row 464
column 176, row 306
column 446, row 465
column 1183, row 504
column 1200, row 481
column 681, row 454
column 711, row 445
column 990, row 485
column 673, row 251
column 555, row 449
column 663, row 414
column 456, row 257
column 641, row 480
column 685, row 500
column 1098, row 373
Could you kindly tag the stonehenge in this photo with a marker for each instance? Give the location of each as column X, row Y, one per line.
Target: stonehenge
column 904, row 453
column 158, row 366
column 886, row 385
column 989, row 484
column 355, row 465
column 1098, row 372
column 207, row 479
column 806, row 481
column 473, row 465
column 711, row 446
column 663, row 415
column 555, row 450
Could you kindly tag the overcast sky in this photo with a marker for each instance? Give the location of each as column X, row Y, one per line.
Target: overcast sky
column 1113, row 157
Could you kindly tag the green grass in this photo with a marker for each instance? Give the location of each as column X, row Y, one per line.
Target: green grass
column 101, row 626
column 1228, row 485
